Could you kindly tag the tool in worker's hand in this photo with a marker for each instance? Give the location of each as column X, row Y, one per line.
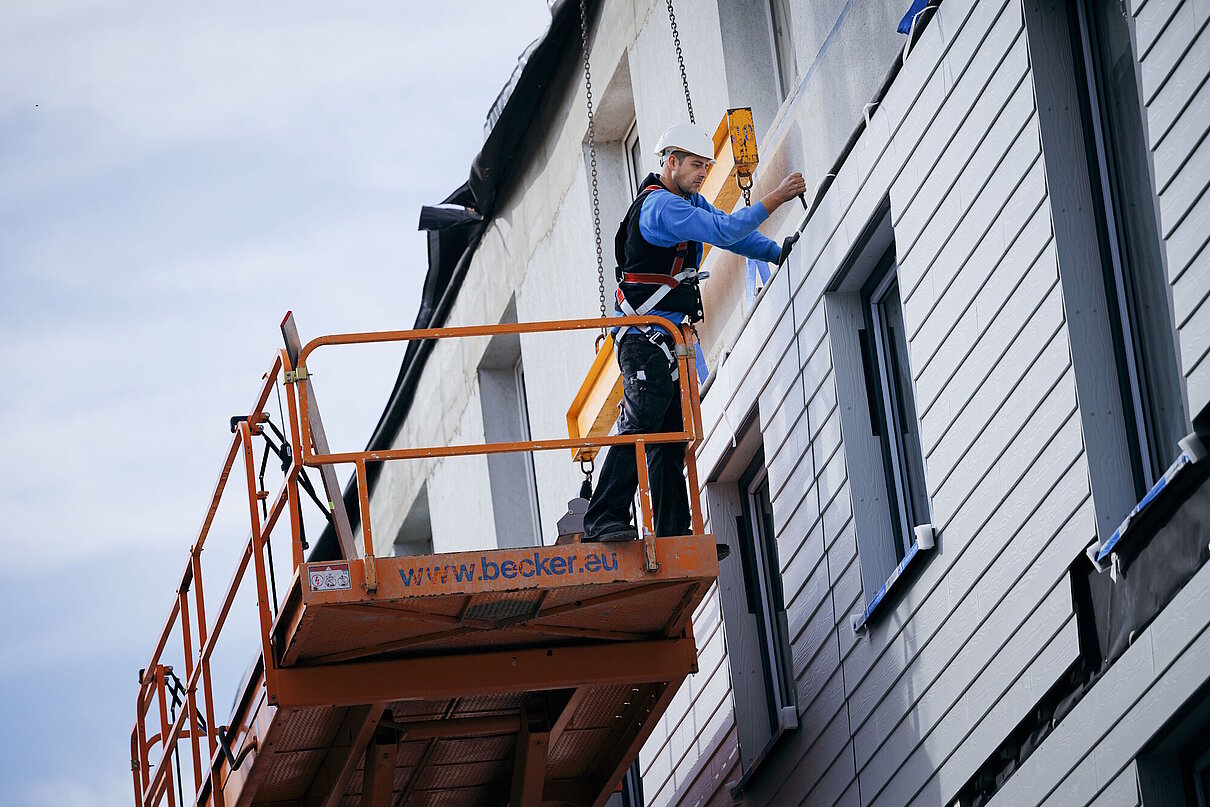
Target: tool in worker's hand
column 802, row 198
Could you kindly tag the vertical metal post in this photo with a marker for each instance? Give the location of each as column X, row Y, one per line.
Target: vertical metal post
column 191, row 691
column 202, row 636
column 691, row 399
column 140, row 727
column 258, row 558
column 529, row 760
column 645, row 508
column 165, row 728
column 363, row 496
column 295, row 469
column 135, row 766
column 378, row 776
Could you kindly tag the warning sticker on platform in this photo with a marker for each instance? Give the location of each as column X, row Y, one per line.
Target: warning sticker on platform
column 330, row 577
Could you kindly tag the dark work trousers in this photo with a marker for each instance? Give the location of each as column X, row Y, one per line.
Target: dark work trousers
column 651, row 402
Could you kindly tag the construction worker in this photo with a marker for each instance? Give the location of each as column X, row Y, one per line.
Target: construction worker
column 659, row 248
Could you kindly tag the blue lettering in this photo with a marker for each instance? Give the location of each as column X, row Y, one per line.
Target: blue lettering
column 406, row 576
column 592, row 564
column 464, row 573
column 605, row 565
column 524, row 573
column 541, row 564
column 557, row 566
column 487, row 564
column 509, row 569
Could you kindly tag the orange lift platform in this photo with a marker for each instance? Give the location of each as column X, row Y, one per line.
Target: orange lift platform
column 503, row 676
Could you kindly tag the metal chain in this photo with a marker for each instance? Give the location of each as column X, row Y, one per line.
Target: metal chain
column 747, row 189
column 592, row 155
column 680, row 58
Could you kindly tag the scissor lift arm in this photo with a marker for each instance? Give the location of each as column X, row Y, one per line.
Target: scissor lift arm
column 526, row 676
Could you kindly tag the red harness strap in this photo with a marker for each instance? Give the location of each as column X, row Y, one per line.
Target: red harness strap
column 640, row 277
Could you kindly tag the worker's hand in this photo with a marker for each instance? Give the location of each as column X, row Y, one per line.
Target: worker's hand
column 786, row 246
column 791, row 186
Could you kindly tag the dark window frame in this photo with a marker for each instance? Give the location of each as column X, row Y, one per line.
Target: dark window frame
column 889, row 383
column 766, row 597
column 752, row 602
column 861, row 299
column 1141, row 324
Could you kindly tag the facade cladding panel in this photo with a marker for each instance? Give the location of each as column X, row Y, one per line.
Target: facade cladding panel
column 983, row 626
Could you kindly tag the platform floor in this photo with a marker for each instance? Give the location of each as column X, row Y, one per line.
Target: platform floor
column 526, row 676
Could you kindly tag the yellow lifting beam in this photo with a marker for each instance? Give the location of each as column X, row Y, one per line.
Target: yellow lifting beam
column 594, row 408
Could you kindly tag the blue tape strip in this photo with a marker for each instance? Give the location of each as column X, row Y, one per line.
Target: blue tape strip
column 1163, row 482
column 908, row 557
column 702, row 370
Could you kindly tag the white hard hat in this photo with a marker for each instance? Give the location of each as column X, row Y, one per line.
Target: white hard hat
column 686, row 137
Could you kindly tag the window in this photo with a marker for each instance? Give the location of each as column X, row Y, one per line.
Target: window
column 879, row 425
column 753, row 603
column 1129, row 241
column 1111, row 264
column 1174, row 767
column 783, row 46
column 766, row 601
column 885, row 358
column 506, row 420
column 634, row 160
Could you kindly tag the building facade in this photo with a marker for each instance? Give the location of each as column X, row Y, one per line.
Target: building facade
column 989, row 346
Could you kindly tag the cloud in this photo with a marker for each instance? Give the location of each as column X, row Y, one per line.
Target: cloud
column 344, row 84
column 66, row 792
column 173, row 177
column 187, row 174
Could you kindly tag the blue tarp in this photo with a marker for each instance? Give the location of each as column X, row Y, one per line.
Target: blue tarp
column 757, row 276
column 905, row 25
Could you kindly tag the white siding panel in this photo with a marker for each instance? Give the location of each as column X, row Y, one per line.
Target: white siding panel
column 1179, row 90
column 993, row 123
column 1122, row 791
column 1193, row 287
column 1163, row 667
column 1020, row 696
column 968, row 353
column 967, row 264
column 976, row 540
column 1169, row 48
column 1005, row 351
column 1149, row 26
column 1173, row 155
column 981, row 616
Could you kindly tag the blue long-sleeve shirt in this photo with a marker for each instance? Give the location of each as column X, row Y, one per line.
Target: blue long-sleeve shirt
column 666, row 219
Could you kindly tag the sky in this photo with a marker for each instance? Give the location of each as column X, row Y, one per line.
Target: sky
column 173, row 178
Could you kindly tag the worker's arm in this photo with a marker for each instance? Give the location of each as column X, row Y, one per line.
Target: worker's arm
column 753, row 245
column 668, row 219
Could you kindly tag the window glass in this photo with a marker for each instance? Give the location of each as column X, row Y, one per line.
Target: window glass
column 634, row 160
column 1135, row 282
column 906, row 490
column 879, row 421
column 892, row 403
column 783, row 46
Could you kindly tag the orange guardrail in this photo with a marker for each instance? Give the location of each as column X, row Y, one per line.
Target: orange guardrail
column 156, row 730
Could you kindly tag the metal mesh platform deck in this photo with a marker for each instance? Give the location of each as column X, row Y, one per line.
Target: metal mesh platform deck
column 520, row 675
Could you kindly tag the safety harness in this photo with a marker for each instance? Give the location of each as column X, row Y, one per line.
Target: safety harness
column 651, row 277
